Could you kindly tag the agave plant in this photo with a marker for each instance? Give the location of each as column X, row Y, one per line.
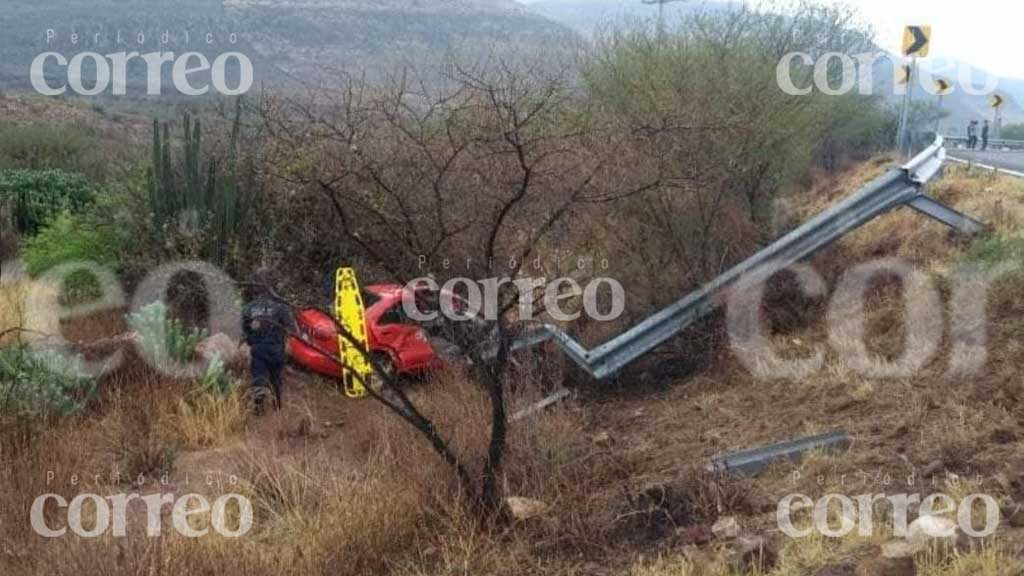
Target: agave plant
column 162, row 339
column 42, row 385
column 217, row 381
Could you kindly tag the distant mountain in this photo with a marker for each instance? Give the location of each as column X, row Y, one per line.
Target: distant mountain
column 590, row 16
column 293, row 41
column 286, row 39
column 962, row 106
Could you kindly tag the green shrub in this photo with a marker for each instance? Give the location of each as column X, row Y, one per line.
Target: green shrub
column 42, row 385
column 69, row 238
column 996, row 249
column 39, row 195
column 163, row 339
column 41, row 147
column 121, row 209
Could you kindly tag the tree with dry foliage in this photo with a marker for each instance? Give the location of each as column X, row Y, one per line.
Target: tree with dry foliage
column 482, row 171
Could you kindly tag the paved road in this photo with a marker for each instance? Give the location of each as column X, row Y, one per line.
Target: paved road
column 1003, row 160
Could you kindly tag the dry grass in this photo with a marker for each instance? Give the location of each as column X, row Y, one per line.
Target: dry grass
column 676, row 567
column 14, row 291
column 32, row 304
column 209, row 420
column 997, row 201
column 809, row 556
column 372, row 498
column 994, row 560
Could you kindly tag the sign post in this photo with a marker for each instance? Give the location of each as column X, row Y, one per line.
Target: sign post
column 916, row 43
column 942, row 88
column 901, row 133
column 997, row 105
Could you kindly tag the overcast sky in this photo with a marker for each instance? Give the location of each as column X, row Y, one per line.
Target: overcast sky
column 984, row 33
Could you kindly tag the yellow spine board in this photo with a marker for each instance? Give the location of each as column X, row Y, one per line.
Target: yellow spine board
column 351, row 315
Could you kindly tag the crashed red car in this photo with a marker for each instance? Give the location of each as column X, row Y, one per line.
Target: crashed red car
column 400, row 344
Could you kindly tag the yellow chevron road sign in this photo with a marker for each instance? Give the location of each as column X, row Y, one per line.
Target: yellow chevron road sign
column 905, row 72
column 348, row 307
column 997, row 101
column 917, row 41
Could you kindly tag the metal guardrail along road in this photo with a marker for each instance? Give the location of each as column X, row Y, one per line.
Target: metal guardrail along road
column 993, row 145
column 899, row 187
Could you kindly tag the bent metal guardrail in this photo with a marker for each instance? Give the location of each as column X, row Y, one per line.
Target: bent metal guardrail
column 899, row 187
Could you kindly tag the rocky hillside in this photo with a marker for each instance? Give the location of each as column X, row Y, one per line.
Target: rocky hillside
column 287, row 40
column 590, row 16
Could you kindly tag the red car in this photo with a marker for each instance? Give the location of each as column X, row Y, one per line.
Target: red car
column 399, row 343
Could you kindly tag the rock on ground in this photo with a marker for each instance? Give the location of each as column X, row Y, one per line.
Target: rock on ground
column 895, row 558
column 935, row 531
column 525, row 508
column 726, row 528
column 219, row 344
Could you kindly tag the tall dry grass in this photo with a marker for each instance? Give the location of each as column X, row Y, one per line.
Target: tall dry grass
column 209, row 420
column 381, row 502
column 14, row 292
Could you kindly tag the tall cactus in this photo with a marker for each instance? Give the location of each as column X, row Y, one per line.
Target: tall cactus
column 156, row 192
column 193, row 185
column 170, row 191
column 211, row 193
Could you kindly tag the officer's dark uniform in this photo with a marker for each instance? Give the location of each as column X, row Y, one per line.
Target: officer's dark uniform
column 265, row 323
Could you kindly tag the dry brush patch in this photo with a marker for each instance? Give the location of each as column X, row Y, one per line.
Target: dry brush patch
column 393, row 507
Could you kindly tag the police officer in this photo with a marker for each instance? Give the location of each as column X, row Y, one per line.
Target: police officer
column 266, row 322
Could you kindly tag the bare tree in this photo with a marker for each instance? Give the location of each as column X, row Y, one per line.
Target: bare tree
column 482, row 172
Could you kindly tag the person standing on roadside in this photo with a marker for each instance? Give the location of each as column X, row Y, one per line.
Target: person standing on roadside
column 972, row 134
column 984, row 136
